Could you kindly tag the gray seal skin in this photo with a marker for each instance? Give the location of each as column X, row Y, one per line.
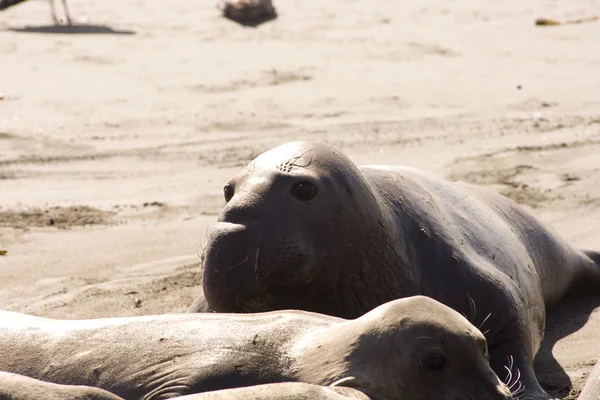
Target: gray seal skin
column 304, row 228
column 281, row 391
column 413, row 348
column 591, row 390
column 18, row 387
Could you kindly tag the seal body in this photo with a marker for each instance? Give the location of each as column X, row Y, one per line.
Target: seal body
column 18, row 387
column 305, row 228
column 281, row 391
column 413, row 347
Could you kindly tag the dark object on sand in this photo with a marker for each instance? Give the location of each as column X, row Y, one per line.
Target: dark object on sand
column 552, row 22
column 247, row 10
column 4, row 4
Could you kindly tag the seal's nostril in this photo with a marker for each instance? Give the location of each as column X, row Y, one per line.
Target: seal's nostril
column 228, row 192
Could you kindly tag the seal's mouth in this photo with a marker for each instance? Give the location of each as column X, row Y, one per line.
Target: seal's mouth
column 351, row 382
column 249, row 269
column 229, row 259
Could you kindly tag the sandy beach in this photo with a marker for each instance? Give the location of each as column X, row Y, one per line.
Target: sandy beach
column 116, row 137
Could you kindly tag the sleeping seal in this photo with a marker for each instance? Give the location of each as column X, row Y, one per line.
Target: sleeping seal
column 409, row 348
column 304, row 228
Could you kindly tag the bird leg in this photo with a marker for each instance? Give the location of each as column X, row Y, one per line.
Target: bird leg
column 67, row 15
column 68, row 19
column 53, row 11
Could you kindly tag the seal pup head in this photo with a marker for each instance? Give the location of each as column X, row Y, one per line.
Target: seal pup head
column 293, row 216
column 411, row 348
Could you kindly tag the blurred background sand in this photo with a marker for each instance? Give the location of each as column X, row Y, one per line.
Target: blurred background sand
column 115, row 141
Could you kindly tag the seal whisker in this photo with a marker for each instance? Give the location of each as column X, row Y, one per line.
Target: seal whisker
column 484, row 320
column 516, row 380
column 517, row 387
column 473, row 308
column 241, row 262
column 513, row 381
column 256, row 261
column 509, row 377
column 520, row 390
column 508, row 368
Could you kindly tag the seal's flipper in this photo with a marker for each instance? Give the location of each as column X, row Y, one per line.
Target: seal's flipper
column 588, row 280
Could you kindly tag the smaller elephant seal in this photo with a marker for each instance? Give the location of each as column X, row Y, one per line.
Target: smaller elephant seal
column 281, row 391
column 409, row 348
column 591, row 390
column 305, row 228
column 19, row 387
column 247, row 10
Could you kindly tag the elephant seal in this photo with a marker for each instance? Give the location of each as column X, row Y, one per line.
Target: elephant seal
column 18, row 387
column 281, row 391
column 414, row 348
column 304, row 228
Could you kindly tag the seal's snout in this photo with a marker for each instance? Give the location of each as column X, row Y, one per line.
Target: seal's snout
column 492, row 389
column 230, row 256
column 238, row 215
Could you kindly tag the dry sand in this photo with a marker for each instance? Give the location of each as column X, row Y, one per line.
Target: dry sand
column 115, row 141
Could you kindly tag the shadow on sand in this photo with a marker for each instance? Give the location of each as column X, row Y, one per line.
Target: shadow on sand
column 566, row 317
column 73, row 29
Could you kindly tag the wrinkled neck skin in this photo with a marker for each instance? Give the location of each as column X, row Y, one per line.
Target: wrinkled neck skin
column 323, row 356
column 337, row 356
column 375, row 270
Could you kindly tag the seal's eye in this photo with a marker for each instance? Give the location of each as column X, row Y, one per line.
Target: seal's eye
column 486, row 351
column 434, row 362
column 228, row 192
column 303, row 191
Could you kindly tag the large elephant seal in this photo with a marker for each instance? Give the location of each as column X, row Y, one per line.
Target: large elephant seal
column 281, row 391
column 18, row 387
column 409, row 348
column 304, row 228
